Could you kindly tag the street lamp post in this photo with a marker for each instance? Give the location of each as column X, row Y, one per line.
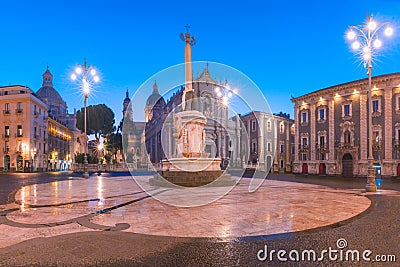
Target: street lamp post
column 224, row 95
column 365, row 42
column 87, row 80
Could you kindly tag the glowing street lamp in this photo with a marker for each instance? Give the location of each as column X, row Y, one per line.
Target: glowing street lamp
column 87, row 80
column 365, row 42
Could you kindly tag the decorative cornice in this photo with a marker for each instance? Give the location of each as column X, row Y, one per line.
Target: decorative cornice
column 360, row 85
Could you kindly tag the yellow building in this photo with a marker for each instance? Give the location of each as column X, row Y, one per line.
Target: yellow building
column 24, row 122
column 38, row 132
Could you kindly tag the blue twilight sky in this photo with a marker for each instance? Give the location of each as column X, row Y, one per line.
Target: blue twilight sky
column 287, row 47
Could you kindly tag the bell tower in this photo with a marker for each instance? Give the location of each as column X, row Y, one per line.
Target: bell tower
column 47, row 78
column 127, row 107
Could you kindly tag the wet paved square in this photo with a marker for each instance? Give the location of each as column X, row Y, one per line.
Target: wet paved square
column 102, row 202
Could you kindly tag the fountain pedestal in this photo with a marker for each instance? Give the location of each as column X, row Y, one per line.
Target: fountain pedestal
column 191, row 167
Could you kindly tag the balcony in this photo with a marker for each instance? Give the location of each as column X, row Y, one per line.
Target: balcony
column 6, row 111
column 35, row 114
column 377, row 145
column 6, row 135
column 18, row 135
column 35, row 136
column 322, row 148
column 347, row 145
column 303, row 148
column 18, row 111
column 6, row 149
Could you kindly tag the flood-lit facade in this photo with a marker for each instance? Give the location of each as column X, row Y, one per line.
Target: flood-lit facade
column 331, row 130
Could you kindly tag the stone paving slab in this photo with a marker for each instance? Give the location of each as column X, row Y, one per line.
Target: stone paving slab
column 119, row 204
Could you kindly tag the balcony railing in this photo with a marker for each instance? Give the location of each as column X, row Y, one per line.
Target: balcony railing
column 322, row 148
column 377, row 145
column 343, row 145
column 303, row 148
column 18, row 135
column 6, row 149
column 35, row 114
column 19, row 110
column 6, row 111
column 35, row 136
column 6, row 135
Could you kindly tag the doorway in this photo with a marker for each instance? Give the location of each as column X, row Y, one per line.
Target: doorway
column 347, row 165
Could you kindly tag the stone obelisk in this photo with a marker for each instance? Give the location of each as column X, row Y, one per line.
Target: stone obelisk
column 190, row 41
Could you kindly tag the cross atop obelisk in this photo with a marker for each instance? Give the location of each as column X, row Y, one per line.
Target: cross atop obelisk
column 190, row 41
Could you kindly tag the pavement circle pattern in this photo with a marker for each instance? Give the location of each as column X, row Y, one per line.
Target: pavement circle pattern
column 103, row 203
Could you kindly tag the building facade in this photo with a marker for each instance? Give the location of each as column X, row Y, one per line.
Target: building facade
column 331, row 128
column 270, row 140
column 24, row 123
column 38, row 133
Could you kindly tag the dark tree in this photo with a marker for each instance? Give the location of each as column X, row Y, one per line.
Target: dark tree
column 100, row 120
column 114, row 143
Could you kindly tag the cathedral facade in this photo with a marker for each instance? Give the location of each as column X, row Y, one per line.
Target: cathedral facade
column 223, row 134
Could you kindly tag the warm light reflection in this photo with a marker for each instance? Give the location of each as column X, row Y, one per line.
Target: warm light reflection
column 35, row 194
column 23, row 193
column 100, row 190
column 55, row 187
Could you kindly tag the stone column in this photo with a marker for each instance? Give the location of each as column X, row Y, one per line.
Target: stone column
column 288, row 148
column 331, row 121
column 388, row 128
column 312, row 139
column 261, row 141
column 170, row 142
column 296, row 163
column 363, row 127
column 238, row 143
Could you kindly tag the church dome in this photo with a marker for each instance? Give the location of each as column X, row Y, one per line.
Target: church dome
column 154, row 97
column 47, row 93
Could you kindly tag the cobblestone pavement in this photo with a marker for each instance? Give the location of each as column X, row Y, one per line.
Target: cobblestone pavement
column 376, row 229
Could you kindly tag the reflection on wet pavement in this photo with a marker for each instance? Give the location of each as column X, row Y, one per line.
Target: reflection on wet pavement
column 117, row 203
